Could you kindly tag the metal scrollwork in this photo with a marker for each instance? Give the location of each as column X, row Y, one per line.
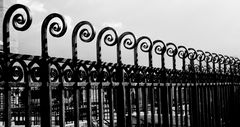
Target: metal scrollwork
column 55, row 29
column 18, row 70
column 128, row 39
column 129, row 42
column 182, row 52
column 35, row 74
column 171, row 49
column 209, row 57
column 215, row 58
column 19, row 22
column 232, row 60
column 145, row 43
column 192, row 53
column 67, row 72
column 201, row 55
column 221, row 58
column 110, row 38
column 227, row 59
column 16, row 73
column 86, row 31
column 146, row 46
column 159, row 47
column 54, row 74
column 86, row 34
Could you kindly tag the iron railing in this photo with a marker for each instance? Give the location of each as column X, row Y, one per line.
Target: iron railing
column 49, row 91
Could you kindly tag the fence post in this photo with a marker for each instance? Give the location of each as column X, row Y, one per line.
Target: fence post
column 194, row 89
column 129, row 41
column 45, row 88
column 159, row 48
column 110, row 39
column 85, row 35
column 19, row 23
column 183, row 54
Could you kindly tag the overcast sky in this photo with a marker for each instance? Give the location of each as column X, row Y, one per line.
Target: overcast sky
column 210, row 25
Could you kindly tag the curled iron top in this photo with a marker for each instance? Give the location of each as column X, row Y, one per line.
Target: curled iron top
column 159, row 47
column 55, row 29
column 145, row 43
column 201, row 55
column 221, row 58
column 128, row 39
column 215, row 57
column 109, row 36
column 237, row 61
column 192, row 53
column 209, row 57
column 19, row 22
column 227, row 59
column 171, row 49
column 182, row 52
column 86, row 31
column 129, row 42
column 86, row 34
column 232, row 60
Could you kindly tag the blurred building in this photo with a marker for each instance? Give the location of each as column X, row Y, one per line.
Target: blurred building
column 4, row 5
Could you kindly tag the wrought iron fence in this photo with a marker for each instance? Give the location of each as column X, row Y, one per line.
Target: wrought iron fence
column 49, row 91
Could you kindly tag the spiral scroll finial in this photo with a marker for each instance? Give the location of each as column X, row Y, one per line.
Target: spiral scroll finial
column 171, row 49
column 237, row 61
column 19, row 22
column 209, row 57
column 145, row 43
column 221, row 58
column 109, row 37
column 159, row 47
column 55, row 30
column 215, row 58
column 192, row 53
column 182, row 52
column 227, row 59
column 129, row 41
column 201, row 55
column 86, row 34
column 232, row 60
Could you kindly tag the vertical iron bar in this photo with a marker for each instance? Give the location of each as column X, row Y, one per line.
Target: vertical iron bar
column 180, row 96
column 159, row 104
column 152, row 92
column 76, row 104
column 100, row 104
column 28, row 105
column 176, row 104
column 145, row 104
column 111, row 106
column 20, row 23
column 89, row 104
column 164, row 95
column 187, row 101
column 45, row 90
column 129, row 105
column 62, row 105
column 137, row 105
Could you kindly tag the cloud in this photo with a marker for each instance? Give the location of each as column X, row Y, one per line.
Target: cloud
column 35, row 6
column 117, row 25
column 68, row 20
